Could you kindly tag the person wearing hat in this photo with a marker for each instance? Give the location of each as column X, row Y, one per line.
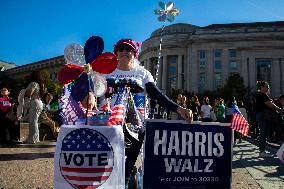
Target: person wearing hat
column 127, row 51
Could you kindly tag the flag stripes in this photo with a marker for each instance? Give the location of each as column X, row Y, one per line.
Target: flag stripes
column 239, row 124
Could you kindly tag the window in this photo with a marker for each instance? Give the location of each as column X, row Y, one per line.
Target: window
column 232, row 53
column 217, row 64
column 202, row 64
column 201, row 54
column 172, row 70
column 264, row 70
column 172, row 59
column 201, row 80
column 233, row 65
column 217, row 53
column 218, row 80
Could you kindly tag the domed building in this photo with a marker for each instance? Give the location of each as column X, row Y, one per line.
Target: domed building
column 197, row 59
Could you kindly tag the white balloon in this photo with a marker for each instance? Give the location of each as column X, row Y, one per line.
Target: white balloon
column 74, row 54
column 100, row 84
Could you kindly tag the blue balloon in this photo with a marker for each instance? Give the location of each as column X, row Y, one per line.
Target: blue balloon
column 81, row 87
column 94, row 46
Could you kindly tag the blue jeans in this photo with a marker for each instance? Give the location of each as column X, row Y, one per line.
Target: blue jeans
column 263, row 126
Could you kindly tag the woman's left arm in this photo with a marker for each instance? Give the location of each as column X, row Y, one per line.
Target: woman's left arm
column 155, row 93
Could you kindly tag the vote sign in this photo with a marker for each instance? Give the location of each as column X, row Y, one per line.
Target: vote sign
column 86, row 158
column 89, row 157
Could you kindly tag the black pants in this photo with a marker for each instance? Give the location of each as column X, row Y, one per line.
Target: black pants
column 132, row 149
column 9, row 130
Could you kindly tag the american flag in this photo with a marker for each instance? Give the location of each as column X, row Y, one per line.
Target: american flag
column 139, row 101
column 118, row 111
column 86, row 158
column 239, row 123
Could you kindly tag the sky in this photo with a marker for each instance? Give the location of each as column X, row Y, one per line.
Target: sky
column 34, row 30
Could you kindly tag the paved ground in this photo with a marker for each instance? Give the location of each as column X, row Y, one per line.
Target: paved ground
column 31, row 166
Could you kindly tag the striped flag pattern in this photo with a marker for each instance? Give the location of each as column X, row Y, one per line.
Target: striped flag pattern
column 118, row 111
column 239, row 123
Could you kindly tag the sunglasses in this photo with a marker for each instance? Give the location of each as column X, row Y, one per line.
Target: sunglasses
column 126, row 48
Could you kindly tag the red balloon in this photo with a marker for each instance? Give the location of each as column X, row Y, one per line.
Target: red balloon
column 69, row 73
column 105, row 63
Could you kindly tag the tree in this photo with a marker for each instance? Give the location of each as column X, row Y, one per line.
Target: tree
column 51, row 86
column 234, row 87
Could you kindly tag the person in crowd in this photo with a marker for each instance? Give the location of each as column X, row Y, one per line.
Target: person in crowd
column 9, row 129
column 206, row 110
column 281, row 117
column 195, row 107
column 182, row 101
column 220, row 110
column 275, row 132
column 29, row 109
column 127, row 51
column 213, row 113
column 179, row 99
column 254, row 129
column 46, row 117
column 265, row 109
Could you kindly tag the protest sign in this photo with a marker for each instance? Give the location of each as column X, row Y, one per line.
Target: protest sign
column 181, row 155
column 89, row 157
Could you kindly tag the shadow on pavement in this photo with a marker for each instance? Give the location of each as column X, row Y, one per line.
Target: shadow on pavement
column 279, row 172
column 25, row 156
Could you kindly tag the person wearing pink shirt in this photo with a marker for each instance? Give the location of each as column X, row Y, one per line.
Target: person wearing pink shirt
column 7, row 129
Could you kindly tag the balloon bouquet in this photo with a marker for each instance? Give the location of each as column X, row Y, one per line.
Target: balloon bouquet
column 82, row 79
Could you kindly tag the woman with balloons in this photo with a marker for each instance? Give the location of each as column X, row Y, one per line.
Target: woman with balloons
column 92, row 73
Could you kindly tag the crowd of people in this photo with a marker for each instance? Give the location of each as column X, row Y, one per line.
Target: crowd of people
column 33, row 106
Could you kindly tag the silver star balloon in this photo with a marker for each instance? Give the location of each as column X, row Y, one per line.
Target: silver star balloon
column 167, row 12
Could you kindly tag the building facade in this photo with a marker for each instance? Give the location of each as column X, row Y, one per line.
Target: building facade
column 197, row 59
column 52, row 65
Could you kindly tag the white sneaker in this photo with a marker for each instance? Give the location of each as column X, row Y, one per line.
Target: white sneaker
column 265, row 155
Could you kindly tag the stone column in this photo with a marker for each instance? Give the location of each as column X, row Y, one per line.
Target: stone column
column 193, row 74
column 164, row 73
column 281, row 69
column 209, row 70
column 179, row 72
column 225, row 65
column 252, row 72
column 275, row 77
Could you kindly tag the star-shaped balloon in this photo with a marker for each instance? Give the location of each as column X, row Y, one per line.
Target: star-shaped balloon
column 84, row 66
column 167, row 12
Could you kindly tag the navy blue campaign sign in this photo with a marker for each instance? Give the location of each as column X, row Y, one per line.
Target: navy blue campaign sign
column 181, row 155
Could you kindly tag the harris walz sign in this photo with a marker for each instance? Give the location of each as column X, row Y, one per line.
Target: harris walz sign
column 180, row 155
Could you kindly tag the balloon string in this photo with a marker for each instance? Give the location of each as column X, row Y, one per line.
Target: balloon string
column 160, row 52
